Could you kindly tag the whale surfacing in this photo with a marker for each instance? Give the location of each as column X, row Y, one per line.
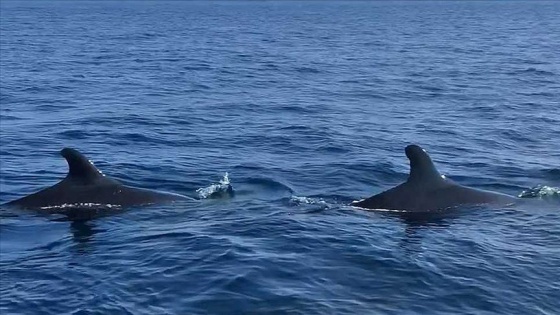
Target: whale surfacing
column 86, row 186
column 427, row 190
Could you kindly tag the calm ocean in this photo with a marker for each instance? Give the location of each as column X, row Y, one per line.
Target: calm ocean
column 306, row 106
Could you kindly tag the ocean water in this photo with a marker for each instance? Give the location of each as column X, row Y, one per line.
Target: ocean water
column 306, row 106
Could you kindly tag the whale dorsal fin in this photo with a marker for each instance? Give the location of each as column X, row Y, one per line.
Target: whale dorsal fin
column 79, row 167
column 422, row 168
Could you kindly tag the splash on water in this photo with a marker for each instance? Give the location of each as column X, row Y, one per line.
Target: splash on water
column 541, row 191
column 219, row 190
column 297, row 200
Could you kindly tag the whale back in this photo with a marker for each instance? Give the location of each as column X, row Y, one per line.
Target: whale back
column 427, row 190
column 86, row 187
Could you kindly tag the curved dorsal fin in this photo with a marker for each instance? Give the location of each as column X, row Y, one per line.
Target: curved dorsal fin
column 79, row 167
column 421, row 166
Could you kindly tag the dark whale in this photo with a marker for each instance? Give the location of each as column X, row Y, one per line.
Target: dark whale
column 427, row 190
column 86, row 187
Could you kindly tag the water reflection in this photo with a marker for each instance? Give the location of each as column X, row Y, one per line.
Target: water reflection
column 83, row 231
column 83, row 225
column 416, row 224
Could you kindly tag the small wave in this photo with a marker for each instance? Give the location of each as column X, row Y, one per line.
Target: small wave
column 323, row 201
column 222, row 189
column 553, row 173
column 269, row 184
column 296, row 128
column 333, row 149
column 53, row 107
column 542, row 93
column 5, row 117
column 297, row 200
column 74, row 134
column 294, row 108
column 431, row 88
column 540, row 191
column 314, row 204
column 270, row 66
column 307, row 70
column 537, row 71
column 198, row 67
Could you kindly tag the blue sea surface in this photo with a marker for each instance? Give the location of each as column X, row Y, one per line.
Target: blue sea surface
column 306, row 106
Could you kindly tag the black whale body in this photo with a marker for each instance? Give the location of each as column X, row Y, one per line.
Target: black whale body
column 86, row 186
column 427, row 190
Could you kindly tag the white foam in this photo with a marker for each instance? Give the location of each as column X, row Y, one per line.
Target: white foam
column 223, row 185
